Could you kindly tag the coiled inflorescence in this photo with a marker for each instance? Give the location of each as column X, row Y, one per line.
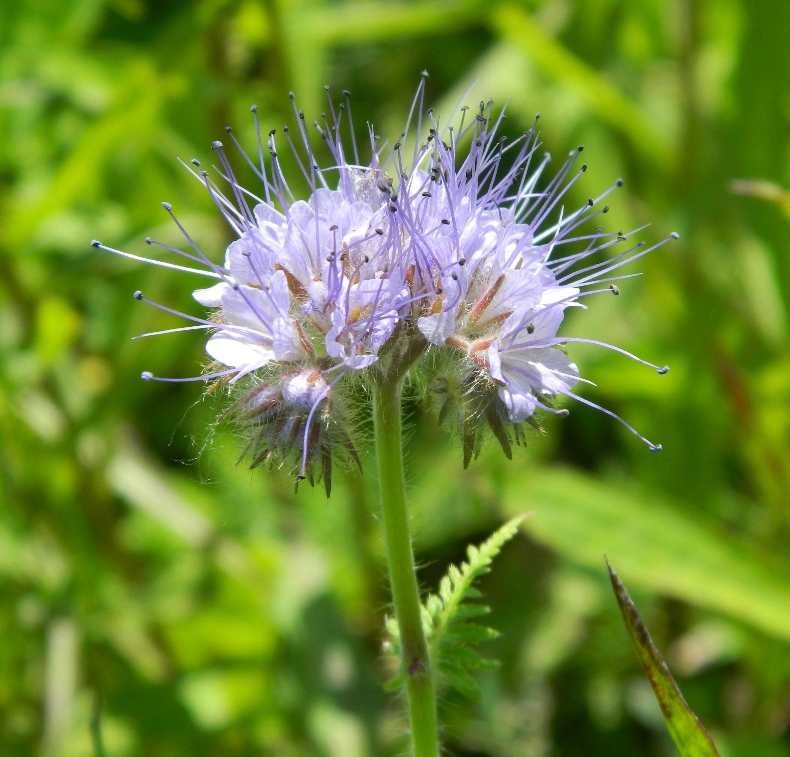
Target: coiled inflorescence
column 455, row 254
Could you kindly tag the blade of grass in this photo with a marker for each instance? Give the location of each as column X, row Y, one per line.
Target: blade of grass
column 687, row 732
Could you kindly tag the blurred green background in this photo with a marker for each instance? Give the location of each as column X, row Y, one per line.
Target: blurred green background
column 208, row 610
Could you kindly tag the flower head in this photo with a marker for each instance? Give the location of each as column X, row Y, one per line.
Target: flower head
column 458, row 247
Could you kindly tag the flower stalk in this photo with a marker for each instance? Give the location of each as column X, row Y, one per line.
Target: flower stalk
column 415, row 661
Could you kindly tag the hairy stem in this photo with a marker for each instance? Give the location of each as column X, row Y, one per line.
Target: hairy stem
column 415, row 661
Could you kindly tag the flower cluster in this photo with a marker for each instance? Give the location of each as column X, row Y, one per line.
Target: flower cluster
column 452, row 245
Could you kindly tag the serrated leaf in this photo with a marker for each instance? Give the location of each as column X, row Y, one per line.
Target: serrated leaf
column 687, row 732
column 462, row 657
column 471, row 593
column 463, row 682
column 470, row 611
column 468, row 633
column 450, row 639
column 451, row 642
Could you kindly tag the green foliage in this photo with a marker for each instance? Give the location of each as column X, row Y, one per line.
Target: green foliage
column 687, row 732
column 664, row 549
column 217, row 613
column 448, row 616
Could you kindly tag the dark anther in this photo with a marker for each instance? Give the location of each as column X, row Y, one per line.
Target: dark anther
column 619, row 182
column 301, row 114
column 675, row 235
column 333, row 227
column 615, row 289
column 427, row 194
column 148, row 240
column 591, row 202
column 228, row 129
column 605, row 209
column 445, row 221
column 393, row 208
column 195, row 162
column 216, row 145
column 439, row 291
column 380, row 232
column 662, row 371
column 253, row 108
column 365, row 259
column 138, row 295
column 478, row 143
column 462, row 261
column 584, row 168
column 468, row 174
column 396, row 146
column 580, row 148
column 454, row 276
column 95, row 243
column 641, row 244
column 530, row 328
column 272, row 132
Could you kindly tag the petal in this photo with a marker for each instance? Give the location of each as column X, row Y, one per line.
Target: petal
column 211, row 297
column 439, row 327
column 251, row 308
column 285, row 341
column 238, row 352
column 519, row 406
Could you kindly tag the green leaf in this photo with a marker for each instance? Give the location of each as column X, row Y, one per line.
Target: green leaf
column 463, row 682
column 445, row 616
column 450, row 642
column 663, row 549
column 687, row 732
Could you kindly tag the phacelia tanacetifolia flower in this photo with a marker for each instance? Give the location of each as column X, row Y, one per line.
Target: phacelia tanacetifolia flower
column 454, row 252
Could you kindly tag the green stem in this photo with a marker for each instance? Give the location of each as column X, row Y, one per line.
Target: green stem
column 405, row 594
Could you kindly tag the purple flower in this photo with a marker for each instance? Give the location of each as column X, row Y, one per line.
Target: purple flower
column 460, row 255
